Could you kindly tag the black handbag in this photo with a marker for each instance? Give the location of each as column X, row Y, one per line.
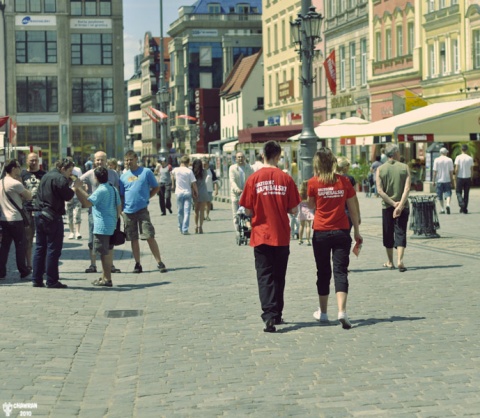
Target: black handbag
column 119, row 237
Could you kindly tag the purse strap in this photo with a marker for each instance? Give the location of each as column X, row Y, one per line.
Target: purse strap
column 114, row 205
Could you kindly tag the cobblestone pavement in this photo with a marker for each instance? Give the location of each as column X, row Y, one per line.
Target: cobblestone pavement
column 196, row 345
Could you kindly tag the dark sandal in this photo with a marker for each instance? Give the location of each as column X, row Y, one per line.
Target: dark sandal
column 91, row 269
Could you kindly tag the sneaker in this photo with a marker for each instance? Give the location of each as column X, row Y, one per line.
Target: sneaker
column 448, row 210
column 91, row 269
column 78, row 236
column 38, row 284
column 57, row 285
column 270, row 325
column 300, row 242
column 138, row 268
column 321, row 317
column 71, row 235
column 101, row 282
column 343, row 319
column 186, row 233
column 162, row 267
column 442, row 211
column 115, row 270
column 309, row 244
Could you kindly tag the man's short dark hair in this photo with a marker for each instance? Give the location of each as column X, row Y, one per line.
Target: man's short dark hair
column 271, row 150
column 11, row 165
column 131, row 153
column 101, row 173
column 464, row 147
column 378, row 158
column 65, row 164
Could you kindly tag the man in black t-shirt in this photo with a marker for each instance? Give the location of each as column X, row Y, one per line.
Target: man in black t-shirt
column 31, row 180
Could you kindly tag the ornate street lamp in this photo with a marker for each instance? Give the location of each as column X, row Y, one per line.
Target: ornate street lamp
column 305, row 32
column 163, row 99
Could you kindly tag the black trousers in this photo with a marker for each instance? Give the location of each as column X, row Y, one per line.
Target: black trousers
column 271, row 265
column 13, row 231
column 164, row 197
column 463, row 186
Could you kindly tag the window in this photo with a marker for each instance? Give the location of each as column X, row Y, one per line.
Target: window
column 399, row 41
column 353, row 63
column 342, row 68
column 431, row 60
column 243, row 9
column 275, row 37
column 37, row 94
column 284, row 43
column 388, row 44
column 269, row 44
column 431, row 5
column 205, row 56
column 92, row 49
column 91, row 7
column 342, row 6
column 411, row 38
column 363, row 64
column 443, row 4
column 92, row 95
column 214, row 8
column 455, row 56
column 36, row 6
column 443, row 58
column 351, row 3
column 36, row 46
column 378, row 46
column 332, row 11
column 476, row 49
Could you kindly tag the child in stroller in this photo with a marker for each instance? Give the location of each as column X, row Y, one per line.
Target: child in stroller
column 244, row 227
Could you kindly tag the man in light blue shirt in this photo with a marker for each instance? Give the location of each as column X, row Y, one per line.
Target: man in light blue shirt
column 137, row 186
column 106, row 208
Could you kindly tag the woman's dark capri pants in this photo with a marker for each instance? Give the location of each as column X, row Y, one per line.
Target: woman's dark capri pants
column 395, row 229
column 337, row 243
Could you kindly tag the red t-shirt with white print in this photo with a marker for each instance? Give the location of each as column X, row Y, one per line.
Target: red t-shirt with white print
column 330, row 202
column 270, row 193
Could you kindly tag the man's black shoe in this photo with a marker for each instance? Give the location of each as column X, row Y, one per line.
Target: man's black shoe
column 163, row 214
column 138, row 268
column 38, row 284
column 57, row 285
column 269, row 325
column 170, row 210
column 279, row 321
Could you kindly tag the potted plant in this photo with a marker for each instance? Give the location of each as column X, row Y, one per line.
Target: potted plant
column 360, row 174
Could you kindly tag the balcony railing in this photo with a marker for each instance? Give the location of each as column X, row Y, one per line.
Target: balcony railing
column 232, row 17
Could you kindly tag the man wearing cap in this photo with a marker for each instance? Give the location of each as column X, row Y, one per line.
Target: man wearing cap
column 443, row 179
column 464, row 176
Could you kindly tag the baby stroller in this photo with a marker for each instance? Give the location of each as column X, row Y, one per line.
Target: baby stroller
column 242, row 221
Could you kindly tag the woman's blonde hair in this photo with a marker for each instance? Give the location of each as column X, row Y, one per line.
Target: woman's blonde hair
column 303, row 190
column 343, row 163
column 324, row 165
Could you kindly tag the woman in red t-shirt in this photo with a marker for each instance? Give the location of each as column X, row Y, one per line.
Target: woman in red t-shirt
column 327, row 194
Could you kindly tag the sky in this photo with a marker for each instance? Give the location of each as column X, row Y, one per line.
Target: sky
column 140, row 16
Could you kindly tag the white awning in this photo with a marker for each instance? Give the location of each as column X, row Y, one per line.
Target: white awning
column 230, row 147
column 440, row 122
column 335, row 128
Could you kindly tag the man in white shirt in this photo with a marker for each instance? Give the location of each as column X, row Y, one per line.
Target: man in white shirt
column 185, row 185
column 238, row 174
column 464, row 176
column 443, row 178
column 258, row 162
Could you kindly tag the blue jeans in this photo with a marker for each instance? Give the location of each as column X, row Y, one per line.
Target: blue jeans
column 48, row 249
column 184, row 204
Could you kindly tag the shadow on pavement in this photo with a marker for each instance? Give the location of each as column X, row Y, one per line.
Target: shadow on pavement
column 119, row 288
column 355, row 323
column 409, row 268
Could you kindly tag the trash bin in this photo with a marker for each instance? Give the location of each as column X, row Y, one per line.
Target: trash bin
column 424, row 220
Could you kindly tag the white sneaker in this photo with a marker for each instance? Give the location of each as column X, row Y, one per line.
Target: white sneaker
column 78, row 236
column 343, row 319
column 71, row 235
column 321, row 317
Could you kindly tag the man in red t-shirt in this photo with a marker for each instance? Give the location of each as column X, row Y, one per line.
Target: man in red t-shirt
column 269, row 195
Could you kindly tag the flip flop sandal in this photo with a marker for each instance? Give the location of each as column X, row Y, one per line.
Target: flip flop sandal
column 392, row 267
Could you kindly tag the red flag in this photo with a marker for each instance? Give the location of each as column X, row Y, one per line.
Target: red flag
column 331, row 72
column 4, row 120
column 13, row 133
column 159, row 113
column 154, row 119
column 186, row 117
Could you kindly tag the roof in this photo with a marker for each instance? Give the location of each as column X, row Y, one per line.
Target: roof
column 201, row 6
column 239, row 75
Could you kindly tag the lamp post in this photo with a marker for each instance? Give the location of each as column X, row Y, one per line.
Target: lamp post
column 163, row 98
column 305, row 32
column 163, row 95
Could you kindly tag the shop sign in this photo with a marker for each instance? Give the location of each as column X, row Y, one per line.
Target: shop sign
column 416, row 138
column 285, row 90
column 35, row 20
column 90, row 23
column 342, row 101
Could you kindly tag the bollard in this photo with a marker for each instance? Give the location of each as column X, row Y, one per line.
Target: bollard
column 424, row 220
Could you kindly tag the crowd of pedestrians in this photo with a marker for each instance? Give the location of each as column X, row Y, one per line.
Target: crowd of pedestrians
column 326, row 208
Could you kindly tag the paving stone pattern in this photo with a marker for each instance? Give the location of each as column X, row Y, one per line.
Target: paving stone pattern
column 197, row 348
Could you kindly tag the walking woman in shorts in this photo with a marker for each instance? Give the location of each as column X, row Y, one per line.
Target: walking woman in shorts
column 328, row 193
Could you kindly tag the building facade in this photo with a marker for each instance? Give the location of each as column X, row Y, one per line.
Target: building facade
column 208, row 38
column 64, row 76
